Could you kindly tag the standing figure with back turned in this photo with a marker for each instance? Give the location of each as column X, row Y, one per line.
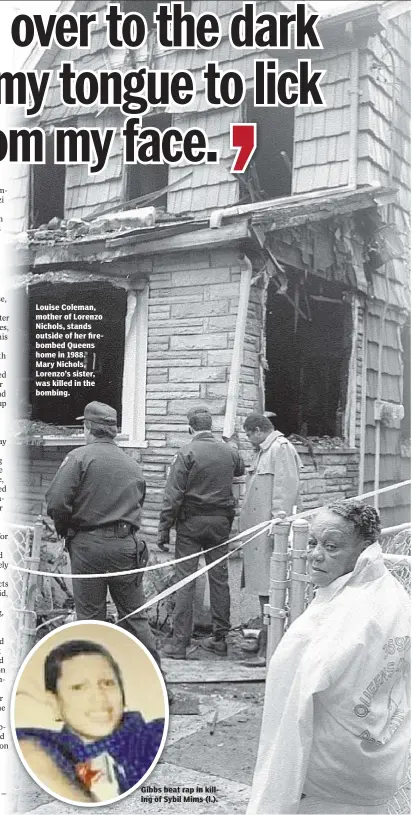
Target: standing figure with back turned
column 95, row 501
column 198, row 500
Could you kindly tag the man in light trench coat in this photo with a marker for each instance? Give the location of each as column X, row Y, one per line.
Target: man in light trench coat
column 272, row 486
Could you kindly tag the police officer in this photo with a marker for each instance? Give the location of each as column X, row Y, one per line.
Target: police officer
column 95, row 501
column 198, row 500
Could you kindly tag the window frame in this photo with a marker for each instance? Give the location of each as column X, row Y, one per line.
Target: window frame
column 132, row 433
column 135, row 366
column 247, row 117
column 148, row 122
column 33, row 167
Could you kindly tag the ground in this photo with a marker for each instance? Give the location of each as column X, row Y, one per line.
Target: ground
column 207, row 765
column 194, row 756
column 219, row 760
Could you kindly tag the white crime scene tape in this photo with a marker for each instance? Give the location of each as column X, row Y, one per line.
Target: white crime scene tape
column 176, row 586
column 254, row 532
column 262, row 527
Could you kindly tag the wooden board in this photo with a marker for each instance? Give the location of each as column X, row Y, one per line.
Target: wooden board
column 180, row 671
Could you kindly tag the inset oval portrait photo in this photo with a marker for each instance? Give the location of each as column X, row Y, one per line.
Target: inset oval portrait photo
column 89, row 713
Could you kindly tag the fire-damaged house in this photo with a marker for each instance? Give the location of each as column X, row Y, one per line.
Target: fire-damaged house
column 283, row 289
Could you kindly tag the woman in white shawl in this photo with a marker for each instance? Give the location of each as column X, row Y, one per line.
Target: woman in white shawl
column 335, row 728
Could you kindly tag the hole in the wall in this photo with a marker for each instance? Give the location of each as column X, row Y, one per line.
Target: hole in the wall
column 306, row 383
column 106, row 359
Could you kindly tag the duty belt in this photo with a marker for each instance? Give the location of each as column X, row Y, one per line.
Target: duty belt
column 119, row 529
column 189, row 510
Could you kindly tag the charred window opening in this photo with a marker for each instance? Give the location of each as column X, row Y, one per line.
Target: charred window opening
column 59, row 362
column 306, row 382
column 270, row 172
column 147, row 179
column 47, row 188
column 406, row 345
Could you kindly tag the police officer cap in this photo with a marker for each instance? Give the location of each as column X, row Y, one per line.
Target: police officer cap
column 99, row 412
column 200, row 412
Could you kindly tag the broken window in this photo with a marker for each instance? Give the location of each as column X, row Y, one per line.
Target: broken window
column 76, row 354
column 308, row 352
column 147, row 179
column 270, row 172
column 47, row 188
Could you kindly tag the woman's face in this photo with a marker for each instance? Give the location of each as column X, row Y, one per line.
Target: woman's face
column 333, row 547
column 89, row 697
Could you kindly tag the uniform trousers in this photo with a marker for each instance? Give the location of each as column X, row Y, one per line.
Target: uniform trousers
column 197, row 534
column 92, row 552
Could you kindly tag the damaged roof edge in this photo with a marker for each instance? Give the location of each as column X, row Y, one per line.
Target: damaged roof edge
column 380, row 196
column 72, row 277
column 110, row 249
column 109, row 246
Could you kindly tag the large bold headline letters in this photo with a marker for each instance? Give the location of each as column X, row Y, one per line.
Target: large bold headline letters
column 140, row 91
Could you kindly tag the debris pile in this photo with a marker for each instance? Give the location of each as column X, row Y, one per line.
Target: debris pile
column 320, row 442
column 59, row 230
column 33, row 432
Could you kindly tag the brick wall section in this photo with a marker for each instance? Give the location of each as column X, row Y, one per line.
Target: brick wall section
column 335, row 478
column 193, row 302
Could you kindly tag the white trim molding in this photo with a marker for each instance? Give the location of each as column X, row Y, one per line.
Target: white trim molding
column 134, row 372
column 352, row 394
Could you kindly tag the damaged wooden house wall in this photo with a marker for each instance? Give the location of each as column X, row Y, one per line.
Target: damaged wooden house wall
column 327, row 237
column 385, row 119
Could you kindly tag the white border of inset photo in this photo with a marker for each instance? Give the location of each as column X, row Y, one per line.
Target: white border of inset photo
column 57, row 632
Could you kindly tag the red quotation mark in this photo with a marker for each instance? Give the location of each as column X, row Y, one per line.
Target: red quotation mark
column 242, row 138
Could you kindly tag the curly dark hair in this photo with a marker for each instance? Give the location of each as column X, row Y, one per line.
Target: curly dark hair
column 364, row 517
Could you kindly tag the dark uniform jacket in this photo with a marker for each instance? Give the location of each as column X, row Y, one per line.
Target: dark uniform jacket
column 200, row 480
column 97, row 485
